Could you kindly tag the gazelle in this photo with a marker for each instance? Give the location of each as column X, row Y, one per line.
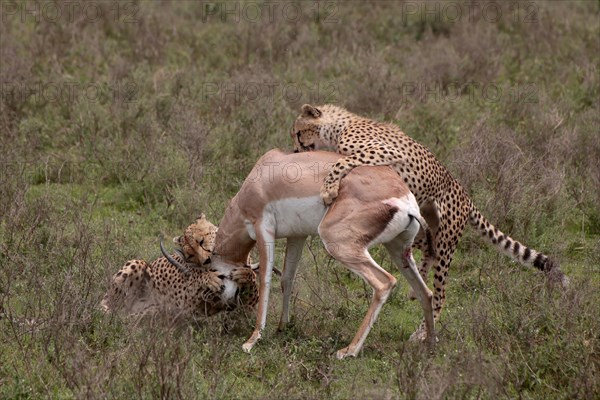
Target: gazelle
column 280, row 199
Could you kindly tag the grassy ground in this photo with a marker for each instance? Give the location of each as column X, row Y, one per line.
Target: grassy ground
column 123, row 121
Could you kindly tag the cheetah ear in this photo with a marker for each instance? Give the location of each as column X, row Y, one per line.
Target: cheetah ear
column 177, row 239
column 310, row 111
column 202, row 216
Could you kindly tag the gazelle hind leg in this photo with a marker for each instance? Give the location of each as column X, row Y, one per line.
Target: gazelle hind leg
column 429, row 211
column 402, row 257
column 427, row 261
column 293, row 252
column 360, row 262
column 424, row 295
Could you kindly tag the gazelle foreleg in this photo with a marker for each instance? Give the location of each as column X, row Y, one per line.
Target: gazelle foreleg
column 265, row 241
column 293, row 252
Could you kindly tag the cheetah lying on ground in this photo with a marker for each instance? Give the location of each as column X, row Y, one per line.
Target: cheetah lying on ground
column 182, row 284
column 443, row 201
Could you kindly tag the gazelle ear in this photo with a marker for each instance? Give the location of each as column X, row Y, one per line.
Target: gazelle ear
column 310, row 111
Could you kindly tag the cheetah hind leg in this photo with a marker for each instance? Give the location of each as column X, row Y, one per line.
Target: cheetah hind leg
column 129, row 289
column 447, row 245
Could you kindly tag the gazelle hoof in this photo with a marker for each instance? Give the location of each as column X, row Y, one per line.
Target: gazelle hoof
column 345, row 352
column 411, row 294
column 247, row 347
column 251, row 342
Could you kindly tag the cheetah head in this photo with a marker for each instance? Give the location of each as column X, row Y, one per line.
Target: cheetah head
column 198, row 241
column 319, row 127
column 307, row 129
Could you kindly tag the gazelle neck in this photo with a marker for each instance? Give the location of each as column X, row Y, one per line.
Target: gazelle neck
column 232, row 243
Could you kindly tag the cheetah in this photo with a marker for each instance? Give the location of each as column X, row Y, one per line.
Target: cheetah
column 444, row 203
column 183, row 283
column 198, row 241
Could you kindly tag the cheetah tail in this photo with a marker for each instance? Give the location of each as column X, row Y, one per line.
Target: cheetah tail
column 516, row 250
column 431, row 249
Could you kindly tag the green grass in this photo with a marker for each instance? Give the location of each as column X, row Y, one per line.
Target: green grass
column 173, row 128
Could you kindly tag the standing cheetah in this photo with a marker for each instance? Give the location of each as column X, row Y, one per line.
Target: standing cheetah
column 444, row 202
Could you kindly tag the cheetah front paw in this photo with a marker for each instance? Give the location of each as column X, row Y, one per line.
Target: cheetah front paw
column 214, row 283
column 243, row 275
column 328, row 194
